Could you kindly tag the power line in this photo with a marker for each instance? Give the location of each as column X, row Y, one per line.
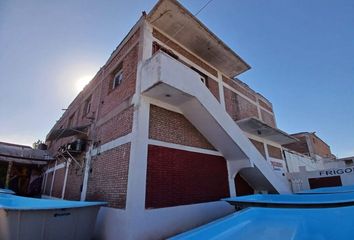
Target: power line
column 205, row 5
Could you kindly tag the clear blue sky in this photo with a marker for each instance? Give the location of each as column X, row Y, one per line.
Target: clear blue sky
column 301, row 53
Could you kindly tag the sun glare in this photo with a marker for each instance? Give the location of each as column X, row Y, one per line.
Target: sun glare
column 82, row 82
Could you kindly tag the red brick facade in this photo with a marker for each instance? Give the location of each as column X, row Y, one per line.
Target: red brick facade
column 268, row 118
column 259, row 146
column 238, row 107
column 74, row 182
column 172, row 127
column 311, row 145
column 238, row 87
column 112, row 98
column 177, row 177
column 111, row 112
column 214, row 88
column 109, row 177
column 117, row 126
column 265, row 105
column 320, row 147
column 174, row 177
column 58, row 183
column 300, row 146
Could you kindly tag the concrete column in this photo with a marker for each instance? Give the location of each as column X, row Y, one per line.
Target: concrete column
column 9, row 167
column 53, row 178
column 67, row 165
column 86, row 174
column 221, row 90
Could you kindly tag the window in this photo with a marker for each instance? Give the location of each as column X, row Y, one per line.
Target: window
column 87, row 107
column 118, row 78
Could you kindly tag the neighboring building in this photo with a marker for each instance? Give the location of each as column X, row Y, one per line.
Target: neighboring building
column 21, row 168
column 312, row 165
column 311, row 145
column 164, row 130
column 338, row 172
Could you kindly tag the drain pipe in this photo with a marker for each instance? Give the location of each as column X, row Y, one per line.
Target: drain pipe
column 86, row 174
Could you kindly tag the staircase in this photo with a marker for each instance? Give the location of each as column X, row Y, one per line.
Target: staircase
column 170, row 81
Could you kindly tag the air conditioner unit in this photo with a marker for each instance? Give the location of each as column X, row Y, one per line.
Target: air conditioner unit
column 77, row 146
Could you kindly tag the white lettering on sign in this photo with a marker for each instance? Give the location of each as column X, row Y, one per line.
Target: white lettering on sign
column 338, row 171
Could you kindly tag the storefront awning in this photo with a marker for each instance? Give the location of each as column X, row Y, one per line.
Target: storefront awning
column 67, row 132
column 256, row 127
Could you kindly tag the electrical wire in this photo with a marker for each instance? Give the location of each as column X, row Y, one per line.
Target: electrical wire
column 202, row 8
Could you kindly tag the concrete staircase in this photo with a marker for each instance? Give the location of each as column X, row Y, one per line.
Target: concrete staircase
column 170, row 81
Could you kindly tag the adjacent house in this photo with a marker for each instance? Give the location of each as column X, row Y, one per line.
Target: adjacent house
column 311, row 145
column 21, row 168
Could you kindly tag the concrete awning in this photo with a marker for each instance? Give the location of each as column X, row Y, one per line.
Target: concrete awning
column 256, row 127
column 177, row 22
column 67, row 132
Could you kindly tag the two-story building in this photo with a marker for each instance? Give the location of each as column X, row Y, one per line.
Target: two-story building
column 164, row 130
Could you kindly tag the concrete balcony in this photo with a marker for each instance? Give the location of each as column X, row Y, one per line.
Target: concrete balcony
column 170, row 81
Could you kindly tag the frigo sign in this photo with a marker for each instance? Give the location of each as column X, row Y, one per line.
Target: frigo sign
column 339, row 171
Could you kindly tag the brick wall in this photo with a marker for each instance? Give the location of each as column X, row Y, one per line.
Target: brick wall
column 58, row 182
column 112, row 98
column 300, row 147
column 274, row 152
column 268, row 118
column 319, row 147
column 105, row 103
column 238, row 107
column 117, row 126
column 213, row 86
column 109, row 177
column 259, row 146
column 168, row 126
column 177, row 177
column 265, row 105
column 238, row 87
column 103, row 99
column 74, row 182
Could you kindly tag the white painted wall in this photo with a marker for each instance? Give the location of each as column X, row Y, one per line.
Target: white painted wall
column 300, row 179
column 296, row 160
column 156, row 223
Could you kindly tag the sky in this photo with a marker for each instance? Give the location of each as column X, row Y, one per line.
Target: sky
column 301, row 53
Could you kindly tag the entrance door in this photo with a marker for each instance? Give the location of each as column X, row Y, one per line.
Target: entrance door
column 325, row 182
